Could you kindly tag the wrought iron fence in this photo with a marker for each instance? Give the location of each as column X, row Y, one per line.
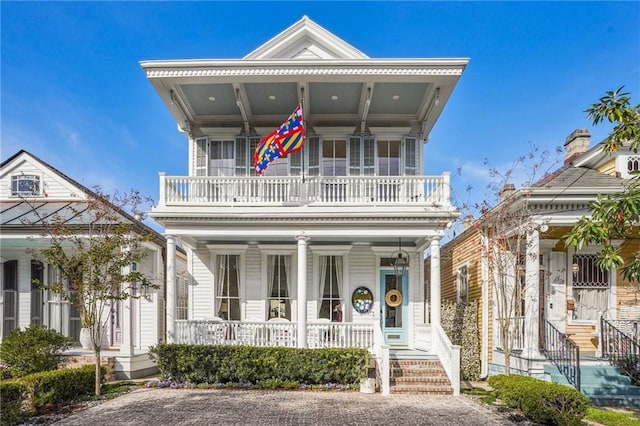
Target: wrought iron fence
column 563, row 353
column 621, row 349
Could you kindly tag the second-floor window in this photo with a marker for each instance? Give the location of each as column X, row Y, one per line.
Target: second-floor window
column 462, row 278
column 25, row 185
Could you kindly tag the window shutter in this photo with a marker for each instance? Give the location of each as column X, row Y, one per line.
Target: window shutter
column 355, row 156
column 242, row 156
column 369, row 157
column 410, row 157
column 201, row 157
column 253, row 144
column 314, row 155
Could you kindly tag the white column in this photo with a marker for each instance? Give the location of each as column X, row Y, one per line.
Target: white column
column 171, row 289
column 531, row 303
column 302, row 290
column 126, row 324
column 435, row 282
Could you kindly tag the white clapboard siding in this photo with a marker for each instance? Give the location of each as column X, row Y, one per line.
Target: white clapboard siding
column 363, row 271
column 202, row 284
column 254, row 292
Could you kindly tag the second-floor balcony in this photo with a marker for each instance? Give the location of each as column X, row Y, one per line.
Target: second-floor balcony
column 298, row 191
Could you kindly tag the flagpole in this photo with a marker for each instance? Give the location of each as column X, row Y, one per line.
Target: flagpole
column 305, row 132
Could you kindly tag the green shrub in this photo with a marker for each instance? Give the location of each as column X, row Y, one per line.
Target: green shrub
column 64, row 385
column 33, row 350
column 249, row 364
column 540, row 401
column 13, row 394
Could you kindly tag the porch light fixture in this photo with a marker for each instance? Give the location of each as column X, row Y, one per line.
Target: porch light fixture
column 400, row 260
column 575, row 268
column 145, row 290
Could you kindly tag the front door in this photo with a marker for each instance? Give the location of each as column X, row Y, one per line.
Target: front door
column 394, row 303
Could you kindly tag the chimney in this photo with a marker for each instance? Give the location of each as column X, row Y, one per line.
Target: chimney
column 576, row 143
column 507, row 190
column 467, row 222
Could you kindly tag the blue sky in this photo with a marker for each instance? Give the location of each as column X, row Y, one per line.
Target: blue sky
column 73, row 92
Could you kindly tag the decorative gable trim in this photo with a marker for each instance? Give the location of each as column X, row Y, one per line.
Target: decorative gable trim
column 305, row 38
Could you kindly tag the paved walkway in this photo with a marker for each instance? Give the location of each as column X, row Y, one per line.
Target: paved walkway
column 152, row 406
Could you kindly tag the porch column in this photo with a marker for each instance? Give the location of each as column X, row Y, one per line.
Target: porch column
column 435, row 283
column 531, row 304
column 302, row 290
column 171, row 288
column 126, row 330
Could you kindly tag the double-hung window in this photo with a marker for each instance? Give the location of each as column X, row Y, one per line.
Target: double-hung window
column 462, row 281
column 279, row 297
column 228, row 287
column 590, row 288
column 25, row 185
column 331, row 277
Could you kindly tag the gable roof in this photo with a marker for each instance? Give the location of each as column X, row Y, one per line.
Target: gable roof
column 15, row 212
column 306, row 40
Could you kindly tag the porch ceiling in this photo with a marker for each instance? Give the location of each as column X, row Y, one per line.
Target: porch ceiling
column 251, row 94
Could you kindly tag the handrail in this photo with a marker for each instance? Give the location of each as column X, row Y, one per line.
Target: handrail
column 620, row 349
column 381, row 352
column 449, row 355
column 563, row 353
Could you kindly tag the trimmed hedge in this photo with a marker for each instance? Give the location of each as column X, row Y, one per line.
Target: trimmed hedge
column 540, row 401
column 249, row 364
column 67, row 384
column 31, row 394
column 13, row 394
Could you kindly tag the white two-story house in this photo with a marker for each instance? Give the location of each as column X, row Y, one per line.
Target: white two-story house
column 332, row 235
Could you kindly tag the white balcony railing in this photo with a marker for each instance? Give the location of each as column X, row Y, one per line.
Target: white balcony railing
column 313, row 190
column 258, row 333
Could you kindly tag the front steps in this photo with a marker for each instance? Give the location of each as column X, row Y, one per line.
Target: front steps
column 603, row 384
column 418, row 375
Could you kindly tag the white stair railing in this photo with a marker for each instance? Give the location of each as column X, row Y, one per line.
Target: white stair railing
column 449, row 355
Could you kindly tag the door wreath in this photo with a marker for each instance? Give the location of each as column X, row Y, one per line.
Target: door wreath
column 393, row 298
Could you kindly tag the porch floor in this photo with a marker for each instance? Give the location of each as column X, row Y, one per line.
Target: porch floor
column 406, row 353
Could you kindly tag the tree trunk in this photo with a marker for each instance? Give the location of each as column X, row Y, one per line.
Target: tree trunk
column 98, row 375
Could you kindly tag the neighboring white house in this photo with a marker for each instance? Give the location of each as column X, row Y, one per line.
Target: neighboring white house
column 31, row 191
column 319, row 233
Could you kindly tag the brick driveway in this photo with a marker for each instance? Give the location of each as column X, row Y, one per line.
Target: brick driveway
column 152, row 406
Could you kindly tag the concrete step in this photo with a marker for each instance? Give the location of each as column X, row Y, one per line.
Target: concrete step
column 610, row 390
column 615, row 401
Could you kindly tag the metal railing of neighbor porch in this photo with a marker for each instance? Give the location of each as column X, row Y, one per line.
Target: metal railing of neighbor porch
column 563, row 353
column 620, row 348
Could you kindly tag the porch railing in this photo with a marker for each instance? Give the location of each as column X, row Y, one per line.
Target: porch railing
column 620, row 348
column 293, row 190
column 381, row 352
column 562, row 353
column 264, row 333
column 449, row 355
